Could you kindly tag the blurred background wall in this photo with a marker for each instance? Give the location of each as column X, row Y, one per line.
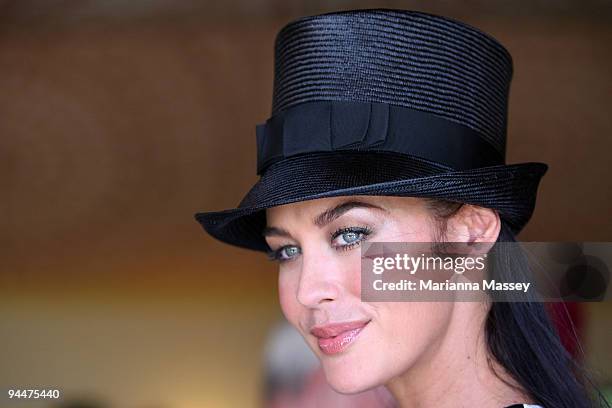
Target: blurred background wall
column 117, row 122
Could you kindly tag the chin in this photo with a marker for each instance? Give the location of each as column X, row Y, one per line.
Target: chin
column 347, row 384
column 349, row 377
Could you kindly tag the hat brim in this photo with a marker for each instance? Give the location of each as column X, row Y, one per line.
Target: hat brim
column 510, row 189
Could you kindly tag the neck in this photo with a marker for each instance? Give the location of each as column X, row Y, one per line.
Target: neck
column 458, row 370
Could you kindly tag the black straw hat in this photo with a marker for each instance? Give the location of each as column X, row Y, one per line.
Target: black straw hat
column 383, row 102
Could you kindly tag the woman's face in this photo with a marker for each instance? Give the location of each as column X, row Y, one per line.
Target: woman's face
column 318, row 242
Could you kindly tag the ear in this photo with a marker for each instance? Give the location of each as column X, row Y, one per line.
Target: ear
column 473, row 224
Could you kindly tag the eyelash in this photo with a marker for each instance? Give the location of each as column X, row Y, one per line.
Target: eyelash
column 364, row 232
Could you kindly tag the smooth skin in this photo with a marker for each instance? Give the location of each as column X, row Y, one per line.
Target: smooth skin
column 426, row 353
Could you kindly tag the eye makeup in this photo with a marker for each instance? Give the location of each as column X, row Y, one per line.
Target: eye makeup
column 351, row 235
column 360, row 232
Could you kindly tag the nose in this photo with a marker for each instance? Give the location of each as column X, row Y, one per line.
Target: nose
column 319, row 280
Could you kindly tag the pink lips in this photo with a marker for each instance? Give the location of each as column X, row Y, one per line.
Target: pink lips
column 335, row 338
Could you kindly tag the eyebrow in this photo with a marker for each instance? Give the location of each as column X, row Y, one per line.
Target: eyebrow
column 325, row 217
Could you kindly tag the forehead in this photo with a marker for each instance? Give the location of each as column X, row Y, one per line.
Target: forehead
column 311, row 208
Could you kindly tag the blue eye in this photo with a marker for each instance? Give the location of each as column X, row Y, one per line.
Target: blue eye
column 284, row 253
column 290, row 251
column 349, row 237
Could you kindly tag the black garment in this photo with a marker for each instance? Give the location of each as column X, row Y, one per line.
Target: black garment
column 524, row 406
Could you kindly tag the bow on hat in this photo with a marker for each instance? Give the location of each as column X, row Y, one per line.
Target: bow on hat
column 323, row 126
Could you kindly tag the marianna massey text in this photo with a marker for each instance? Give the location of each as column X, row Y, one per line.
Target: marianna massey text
column 430, row 285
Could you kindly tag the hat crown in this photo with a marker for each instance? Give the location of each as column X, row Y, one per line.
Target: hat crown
column 383, row 102
column 399, row 57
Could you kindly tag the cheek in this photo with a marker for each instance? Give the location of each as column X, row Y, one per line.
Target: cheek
column 418, row 318
column 352, row 273
column 412, row 329
column 287, row 289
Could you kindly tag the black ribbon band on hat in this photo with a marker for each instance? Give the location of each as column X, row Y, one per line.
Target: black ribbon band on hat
column 371, row 126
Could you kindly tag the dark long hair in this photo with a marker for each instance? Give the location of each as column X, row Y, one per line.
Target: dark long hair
column 523, row 339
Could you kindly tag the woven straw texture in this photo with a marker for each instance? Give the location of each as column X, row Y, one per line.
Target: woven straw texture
column 405, row 58
column 401, row 58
